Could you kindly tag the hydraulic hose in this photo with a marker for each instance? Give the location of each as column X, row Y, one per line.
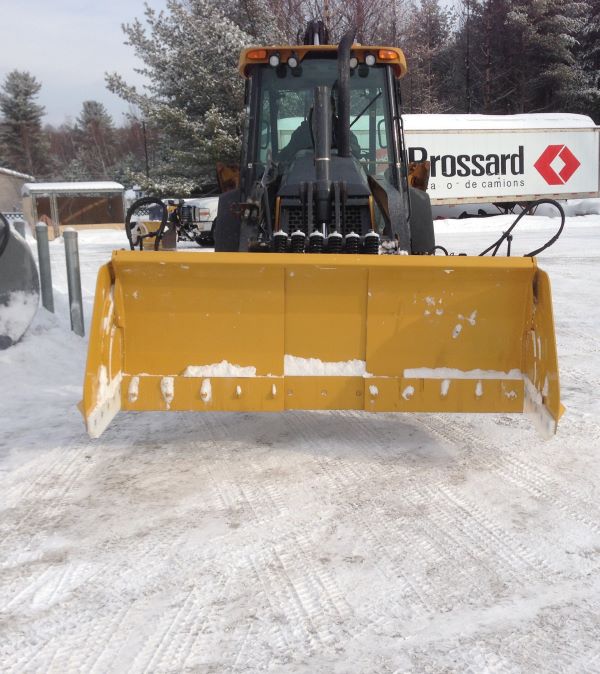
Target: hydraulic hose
column 146, row 201
column 507, row 236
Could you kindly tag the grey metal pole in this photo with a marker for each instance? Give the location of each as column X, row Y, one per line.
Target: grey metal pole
column 41, row 234
column 74, row 281
column 20, row 227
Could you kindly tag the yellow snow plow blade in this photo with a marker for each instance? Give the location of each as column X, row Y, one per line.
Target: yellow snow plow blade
column 272, row 332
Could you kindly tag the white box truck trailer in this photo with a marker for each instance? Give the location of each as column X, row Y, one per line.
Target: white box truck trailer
column 500, row 158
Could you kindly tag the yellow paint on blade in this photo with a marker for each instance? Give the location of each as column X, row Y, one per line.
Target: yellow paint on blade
column 158, row 314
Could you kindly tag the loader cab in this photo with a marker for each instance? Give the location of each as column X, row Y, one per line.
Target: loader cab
column 287, row 107
column 280, row 107
column 323, row 166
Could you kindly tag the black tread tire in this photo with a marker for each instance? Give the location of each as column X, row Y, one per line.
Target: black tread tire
column 227, row 224
column 422, row 235
column 146, row 201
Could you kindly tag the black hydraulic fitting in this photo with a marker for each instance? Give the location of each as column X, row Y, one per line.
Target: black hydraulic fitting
column 372, row 243
column 316, row 242
column 352, row 243
column 298, row 241
column 280, row 241
column 335, row 242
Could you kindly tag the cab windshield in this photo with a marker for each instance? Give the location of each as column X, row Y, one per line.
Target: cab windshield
column 287, row 99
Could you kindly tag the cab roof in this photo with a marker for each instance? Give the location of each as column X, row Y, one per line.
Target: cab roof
column 385, row 55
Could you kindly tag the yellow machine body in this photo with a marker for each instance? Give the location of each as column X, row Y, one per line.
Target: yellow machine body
column 273, row 332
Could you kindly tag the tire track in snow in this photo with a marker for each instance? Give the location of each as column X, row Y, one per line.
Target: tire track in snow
column 487, row 537
column 533, row 632
column 208, row 627
column 178, row 618
column 44, row 497
column 351, row 473
column 285, row 561
column 308, row 610
column 475, row 525
column 341, row 474
column 50, row 461
column 486, row 454
column 453, row 523
column 232, row 494
column 314, row 585
column 72, row 652
column 50, row 586
column 42, row 503
column 242, row 488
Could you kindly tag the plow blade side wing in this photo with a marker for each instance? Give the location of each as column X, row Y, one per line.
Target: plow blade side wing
column 270, row 332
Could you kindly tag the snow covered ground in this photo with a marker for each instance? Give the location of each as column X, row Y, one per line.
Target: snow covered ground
column 302, row 542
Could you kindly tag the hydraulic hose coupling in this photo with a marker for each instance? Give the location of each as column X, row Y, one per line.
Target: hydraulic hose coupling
column 352, row 243
column 372, row 243
column 335, row 243
column 298, row 241
column 280, row 240
column 316, row 242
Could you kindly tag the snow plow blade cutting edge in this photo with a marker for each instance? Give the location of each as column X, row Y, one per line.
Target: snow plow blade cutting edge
column 273, row 332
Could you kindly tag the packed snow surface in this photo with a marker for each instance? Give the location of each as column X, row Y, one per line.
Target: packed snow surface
column 314, row 367
column 453, row 373
column 304, row 542
column 222, row 369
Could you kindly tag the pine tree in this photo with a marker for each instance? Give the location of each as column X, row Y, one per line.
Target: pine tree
column 495, row 53
column 24, row 146
column 426, row 41
column 586, row 99
column 545, row 32
column 194, row 100
column 62, row 147
column 95, row 140
column 523, row 56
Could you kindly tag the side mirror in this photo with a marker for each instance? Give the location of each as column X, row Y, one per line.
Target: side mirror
column 380, row 134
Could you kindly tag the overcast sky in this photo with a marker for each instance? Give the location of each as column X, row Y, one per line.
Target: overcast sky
column 68, row 45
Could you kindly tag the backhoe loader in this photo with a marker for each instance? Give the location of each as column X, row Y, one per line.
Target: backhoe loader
column 324, row 291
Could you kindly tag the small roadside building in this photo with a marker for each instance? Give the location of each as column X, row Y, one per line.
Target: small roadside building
column 11, row 184
column 80, row 205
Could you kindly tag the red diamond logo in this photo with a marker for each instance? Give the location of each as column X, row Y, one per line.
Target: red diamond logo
column 548, row 172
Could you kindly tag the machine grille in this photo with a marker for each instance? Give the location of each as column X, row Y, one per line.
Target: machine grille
column 293, row 220
column 356, row 219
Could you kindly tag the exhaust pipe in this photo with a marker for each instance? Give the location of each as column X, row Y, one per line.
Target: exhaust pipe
column 343, row 140
column 322, row 132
